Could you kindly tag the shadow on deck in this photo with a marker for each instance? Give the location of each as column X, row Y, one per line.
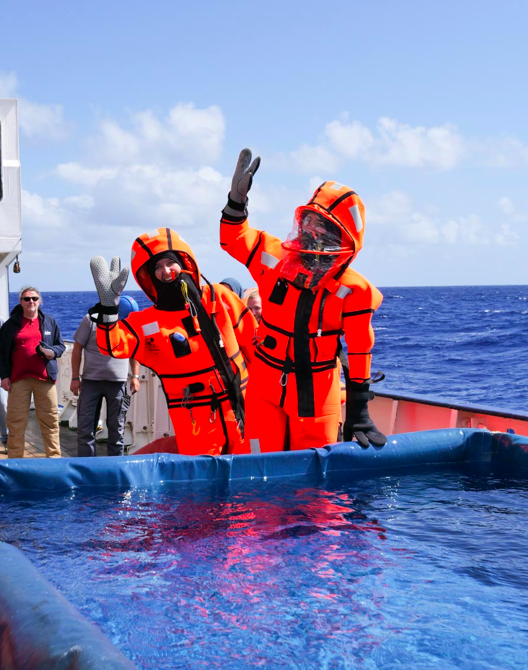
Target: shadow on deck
column 35, row 446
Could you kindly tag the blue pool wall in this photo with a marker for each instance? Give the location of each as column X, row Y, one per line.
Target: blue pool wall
column 39, row 629
column 401, row 452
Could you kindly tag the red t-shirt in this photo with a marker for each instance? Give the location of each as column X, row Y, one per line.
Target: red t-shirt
column 26, row 362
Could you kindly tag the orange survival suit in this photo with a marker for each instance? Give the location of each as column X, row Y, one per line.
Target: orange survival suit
column 294, row 385
column 197, row 345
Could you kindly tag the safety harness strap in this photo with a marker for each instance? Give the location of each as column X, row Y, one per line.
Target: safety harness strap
column 213, row 339
column 301, row 349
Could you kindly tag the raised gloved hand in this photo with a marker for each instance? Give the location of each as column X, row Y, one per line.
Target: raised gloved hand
column 109, row 284
column 242, row 180
column 358, row 422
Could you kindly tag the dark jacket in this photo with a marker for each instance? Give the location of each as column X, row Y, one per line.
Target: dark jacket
column 50, row 335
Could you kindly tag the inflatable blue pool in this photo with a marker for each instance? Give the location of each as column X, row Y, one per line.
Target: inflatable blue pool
column 305, row 555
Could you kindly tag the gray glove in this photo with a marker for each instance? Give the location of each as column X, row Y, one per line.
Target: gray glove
column 109, row 284
column 242, row 179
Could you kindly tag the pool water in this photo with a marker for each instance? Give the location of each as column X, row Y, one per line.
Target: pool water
column 415, row 571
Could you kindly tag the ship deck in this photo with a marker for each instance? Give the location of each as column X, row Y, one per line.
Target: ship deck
column 35, row 446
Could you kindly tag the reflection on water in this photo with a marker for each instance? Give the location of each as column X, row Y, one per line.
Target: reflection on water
column 417, row 571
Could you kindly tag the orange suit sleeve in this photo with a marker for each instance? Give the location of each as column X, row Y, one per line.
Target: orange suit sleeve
column 119, row 340
column 256, row 249
column 358, row 307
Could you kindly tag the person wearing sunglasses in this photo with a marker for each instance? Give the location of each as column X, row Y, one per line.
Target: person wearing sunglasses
column 30, row 343
column 3, row 411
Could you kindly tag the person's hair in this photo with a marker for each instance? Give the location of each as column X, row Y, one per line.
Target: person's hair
column 25, row 289
column 253, row 294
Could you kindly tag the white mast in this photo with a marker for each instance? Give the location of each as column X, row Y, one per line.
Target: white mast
column 10, row 197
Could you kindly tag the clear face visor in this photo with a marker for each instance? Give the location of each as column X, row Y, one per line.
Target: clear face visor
column 318, row 249
column 313, row 233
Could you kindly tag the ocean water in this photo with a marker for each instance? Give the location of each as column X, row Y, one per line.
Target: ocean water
column 462, row 344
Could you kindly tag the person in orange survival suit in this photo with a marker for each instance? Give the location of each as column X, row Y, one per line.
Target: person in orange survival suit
column 196, row 339
column 309, row 298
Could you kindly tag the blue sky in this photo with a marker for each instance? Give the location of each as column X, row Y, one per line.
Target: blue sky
column 132, row 117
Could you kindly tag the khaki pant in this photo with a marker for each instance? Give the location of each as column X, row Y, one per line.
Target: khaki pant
column 46, row 409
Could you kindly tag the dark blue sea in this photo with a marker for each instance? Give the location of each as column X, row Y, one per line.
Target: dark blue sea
column 462, row 344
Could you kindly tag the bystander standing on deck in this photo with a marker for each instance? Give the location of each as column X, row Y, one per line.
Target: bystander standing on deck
column 30, row 343
column 3, row 411
column 102, row 377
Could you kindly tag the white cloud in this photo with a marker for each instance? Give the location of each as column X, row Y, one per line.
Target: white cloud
column 438, row 148
column 148, row 196
column 78, row 174
column 465, row 230
column 80, row 201
column 390, row 143
column 46, row 121
column 397, row 220
column 43, row 213
column 352, row 140
column 507, row 207
column 186, row 136
column 450, row 231
column 153, row 173
column 400, row 222
column 114, row 144
column 420, row 230
column 36, row 120
column 393, row 207
column 506, row 237
column 395, row 143
column 505, row 152
column 314, row 158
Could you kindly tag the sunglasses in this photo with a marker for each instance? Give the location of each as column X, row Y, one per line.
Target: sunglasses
column 31, row 297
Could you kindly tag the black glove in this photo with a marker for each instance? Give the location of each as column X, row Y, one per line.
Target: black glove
column 242, row 180
column 358, row 421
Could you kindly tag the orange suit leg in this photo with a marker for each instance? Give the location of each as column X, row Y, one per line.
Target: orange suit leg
column 266, row 421
column 204, row 436
column 307, row 432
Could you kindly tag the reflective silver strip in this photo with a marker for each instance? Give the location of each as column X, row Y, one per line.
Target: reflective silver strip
column 153, row 233
column 151, row 328
column 268, row 260
column 356, row 215
column 132, row 255
column 337, row 186
column 254, row 445
column 343, row 291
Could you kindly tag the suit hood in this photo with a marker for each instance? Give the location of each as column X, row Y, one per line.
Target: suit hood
column 149, row 245
column 342, row 206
